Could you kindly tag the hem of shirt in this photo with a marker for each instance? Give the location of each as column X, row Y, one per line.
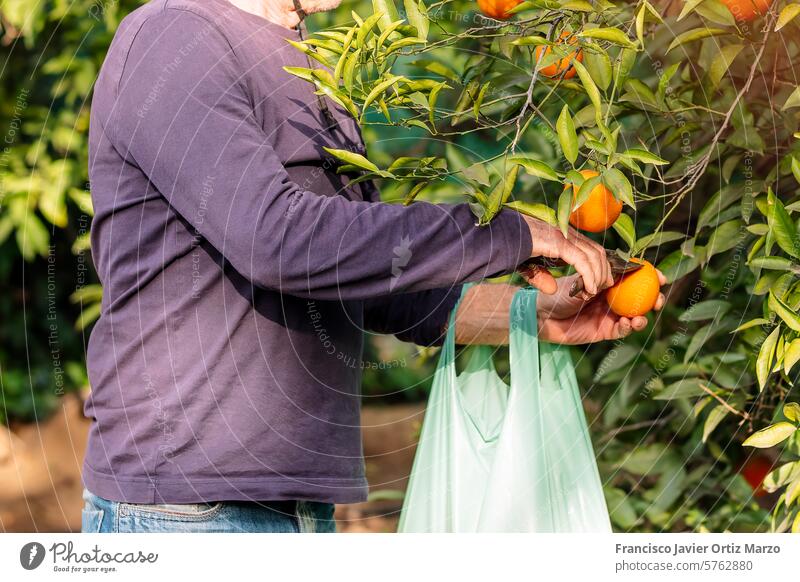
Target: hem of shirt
column 189, row 490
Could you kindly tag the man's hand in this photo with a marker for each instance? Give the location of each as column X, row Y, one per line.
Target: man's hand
column 576, row 320
column 560, row 305
column 483, row 316
column 586, row 256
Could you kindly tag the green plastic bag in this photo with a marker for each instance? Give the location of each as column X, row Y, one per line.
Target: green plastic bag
column 498, row 459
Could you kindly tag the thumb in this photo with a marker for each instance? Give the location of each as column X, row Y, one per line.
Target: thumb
column 540, row 278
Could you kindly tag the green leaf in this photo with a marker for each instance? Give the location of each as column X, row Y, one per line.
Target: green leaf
column 726, row 236
column 624, row 228
column 782, row 226
column 774, row 263
column 305, row 74
column 686, row 388
column 786, row 313
column 612, row 35
column 501, row 193
column 779, row 477
column 688, row 8
column 791, row 410
column 676, row 265
column 33, row 238
column 565, row 128
column 751, row 323
column 619, row 184
column 591, row 89
column 532, row 41
column 626, row 61
column 716, row 12
column 365, row 29
column 414, row 192
column 717, row 414
column 770, row 436
column 432, row 96
column 378, row 90
column 476, row 105
column 644, row 156
column 564, row 209
column 791, row 355
column 577, row 6
column 535, row 167
column 722, row 62
column 598, row 64
column 789, row 13
column 388, row 12
column 477, row 172
column 353, row 159
column 701, row 337
column 585, row 190
column 710, row 309
column 696, row 34
column 535, row 210
column 417, row 16
column 765, row 357
column 793, row 100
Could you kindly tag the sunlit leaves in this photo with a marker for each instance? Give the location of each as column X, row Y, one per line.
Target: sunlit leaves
column 766, row 354
column 612, row 35
column 788, row 13
column 770, row 436
column 694, row 35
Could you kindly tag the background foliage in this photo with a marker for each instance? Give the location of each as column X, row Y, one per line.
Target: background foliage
column 690, row 116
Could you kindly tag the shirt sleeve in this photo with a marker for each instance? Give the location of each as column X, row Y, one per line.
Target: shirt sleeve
column 181, row 124
column 419, row 317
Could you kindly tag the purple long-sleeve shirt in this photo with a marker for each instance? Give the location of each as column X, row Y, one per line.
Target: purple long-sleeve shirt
column 240, row 271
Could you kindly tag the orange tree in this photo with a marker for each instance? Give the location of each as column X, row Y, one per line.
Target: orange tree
column 688, row 114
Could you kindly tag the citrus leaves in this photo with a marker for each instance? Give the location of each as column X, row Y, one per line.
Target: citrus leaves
column 612, row 35
column 358, row 60
column 788, row 13
column 770, row 436
column 695, row 35
column 567, row 137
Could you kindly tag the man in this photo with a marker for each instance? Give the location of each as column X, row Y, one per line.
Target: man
column 240, row 272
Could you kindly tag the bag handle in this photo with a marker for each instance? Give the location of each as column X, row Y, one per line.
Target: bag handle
column 523, row 325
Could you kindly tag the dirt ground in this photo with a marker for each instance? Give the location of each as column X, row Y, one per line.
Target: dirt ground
column 40, row 484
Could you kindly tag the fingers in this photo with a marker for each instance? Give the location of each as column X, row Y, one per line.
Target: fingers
column 540, row 278
column 660, row 302
column 573, row 255
column 622, row 328
column 597, row 255
column 662, row 280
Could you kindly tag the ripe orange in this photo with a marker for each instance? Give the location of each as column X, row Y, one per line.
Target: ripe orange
column 636, row 293
column 747, row 10
column 565, row 64
column 599, row 211
column 497, row 9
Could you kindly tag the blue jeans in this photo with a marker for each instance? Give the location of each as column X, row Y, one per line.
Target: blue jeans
column 104, row 516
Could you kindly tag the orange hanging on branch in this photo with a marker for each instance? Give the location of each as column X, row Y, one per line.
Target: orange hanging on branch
column 599, row 211
column 497, row 9
column 562, row 65
column 636, row 293
column 747, row 10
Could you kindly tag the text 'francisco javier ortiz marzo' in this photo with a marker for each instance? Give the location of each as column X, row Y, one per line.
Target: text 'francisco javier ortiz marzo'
column 693, row 548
